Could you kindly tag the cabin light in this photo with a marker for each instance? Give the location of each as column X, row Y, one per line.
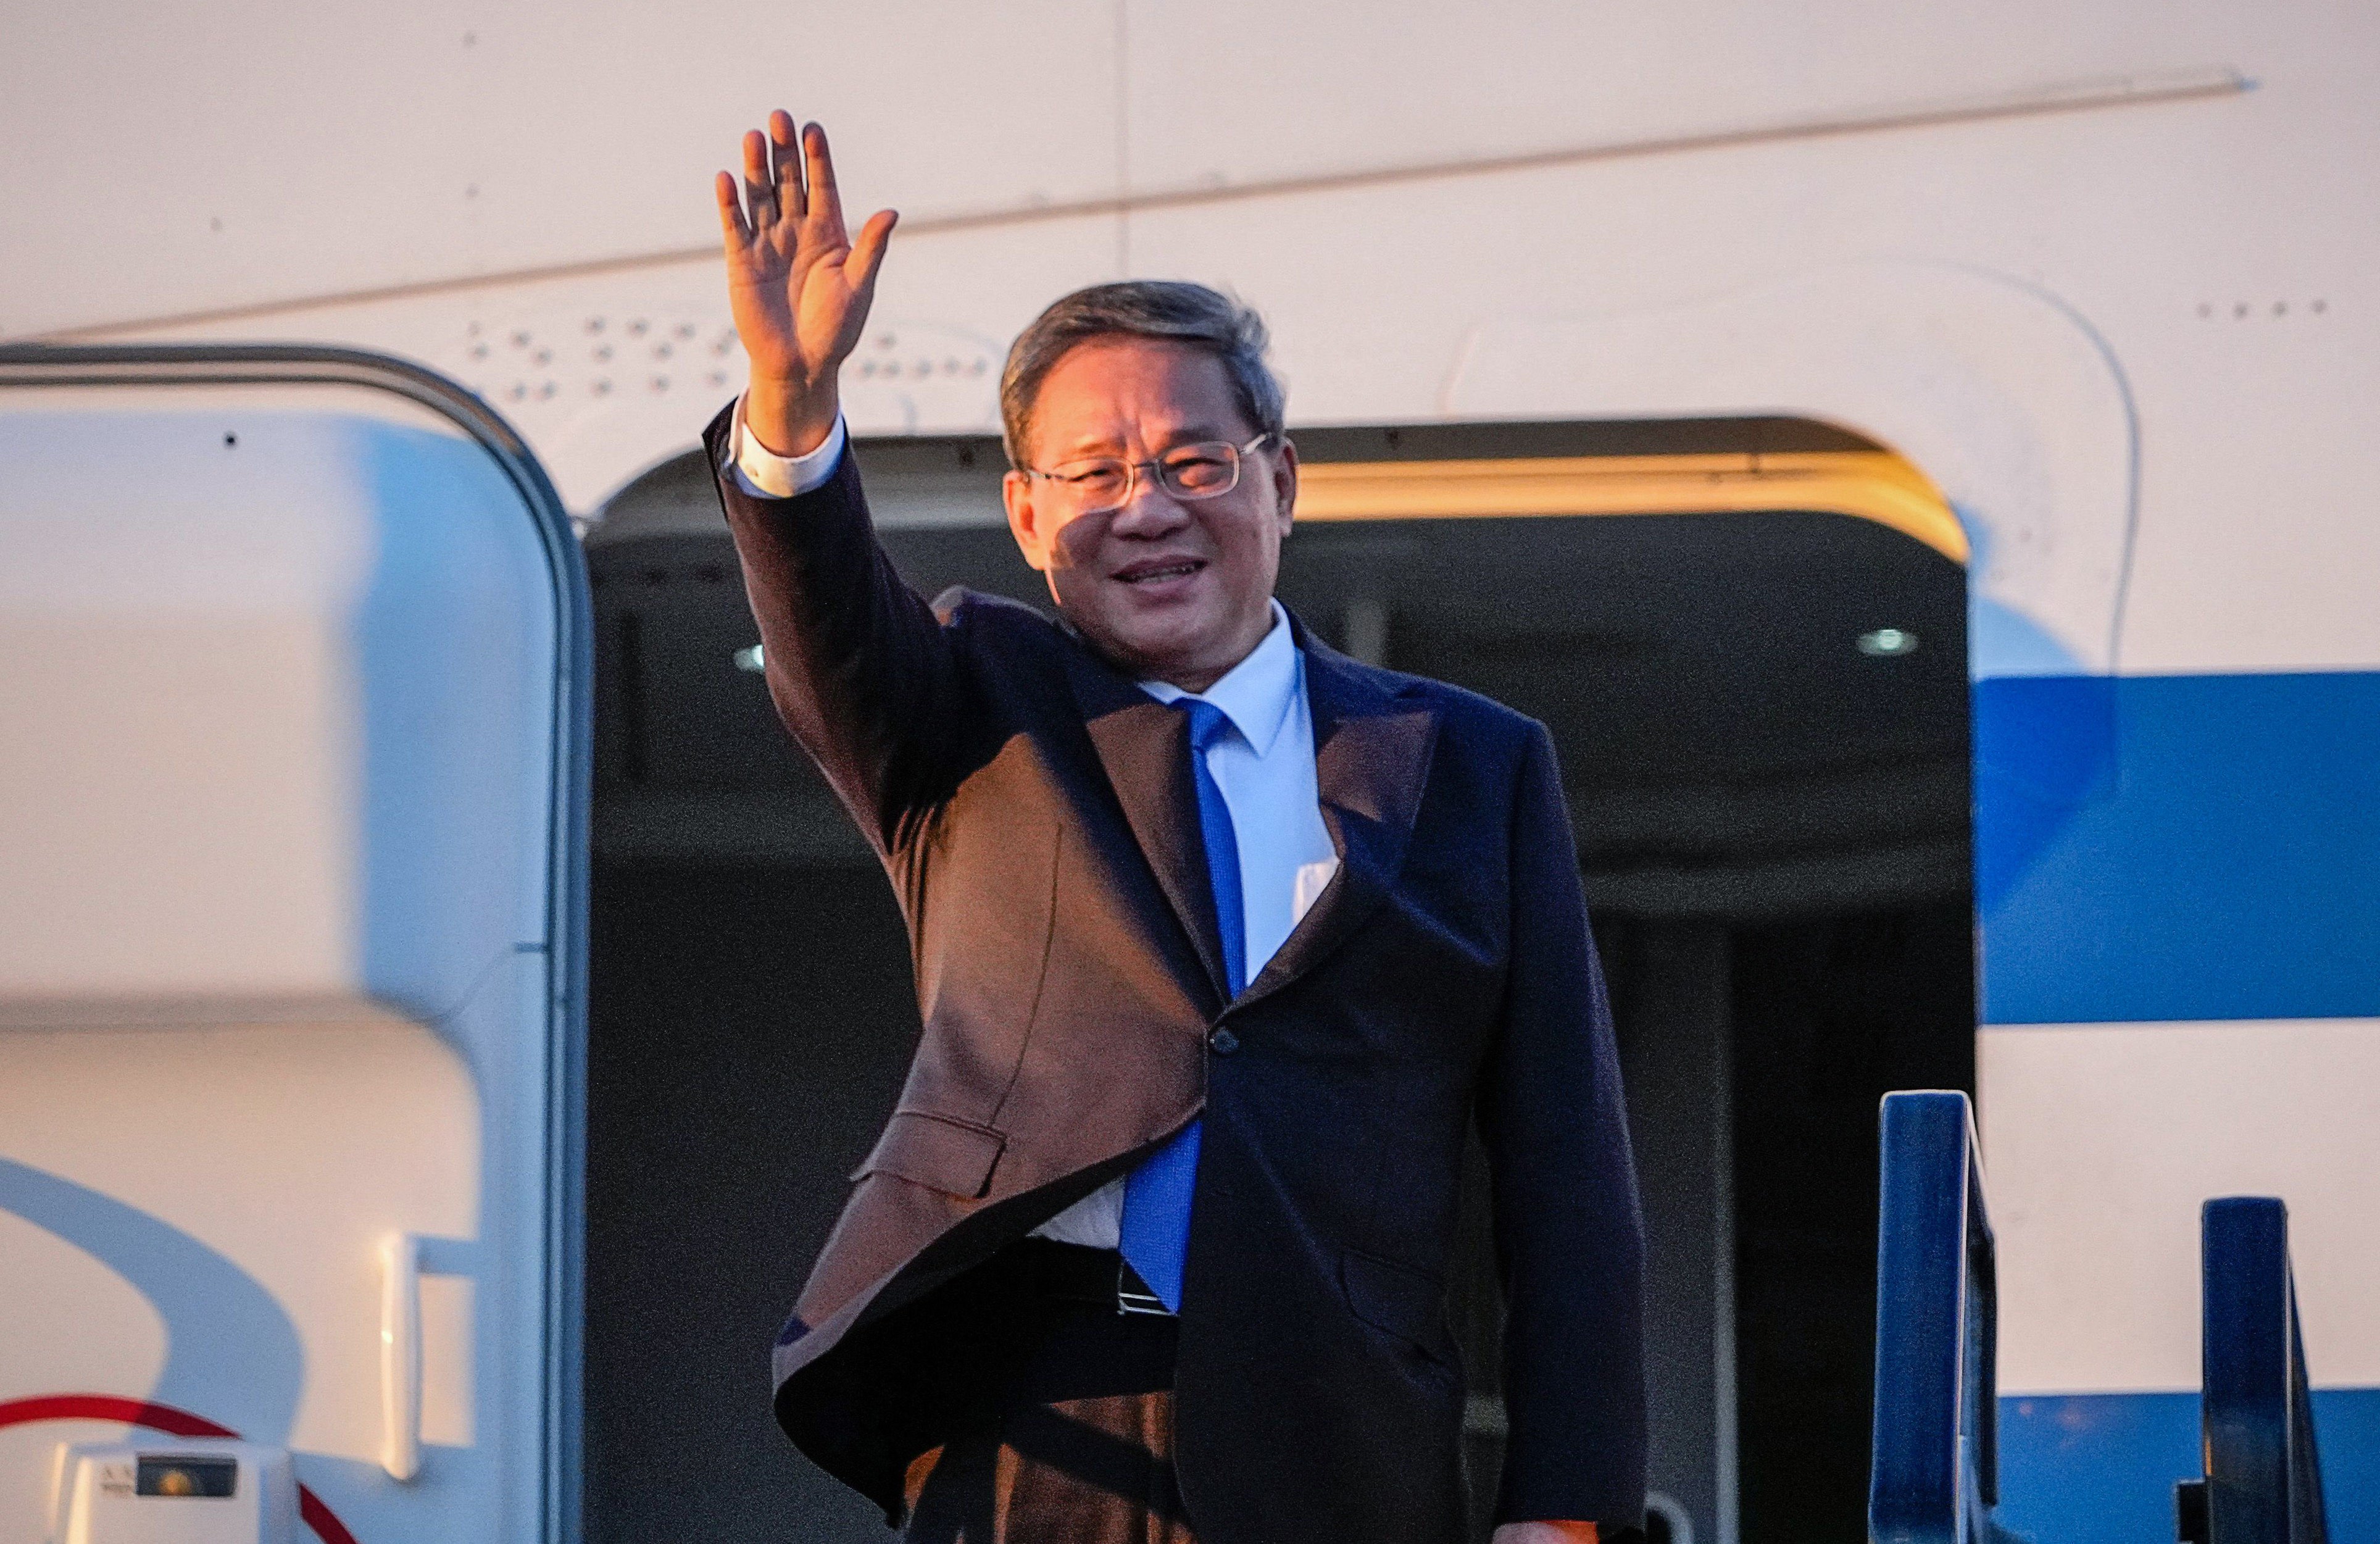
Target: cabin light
column 749, row 659
column 1886, row 642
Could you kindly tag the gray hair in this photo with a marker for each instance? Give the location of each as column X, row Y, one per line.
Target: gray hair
column 1178, row 312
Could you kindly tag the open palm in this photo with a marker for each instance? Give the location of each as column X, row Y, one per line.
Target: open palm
column 799, row 286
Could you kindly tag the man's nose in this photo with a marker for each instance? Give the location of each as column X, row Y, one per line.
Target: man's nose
column 1152, row 510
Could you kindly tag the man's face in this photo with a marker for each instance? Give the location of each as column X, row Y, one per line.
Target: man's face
column 1170, row 589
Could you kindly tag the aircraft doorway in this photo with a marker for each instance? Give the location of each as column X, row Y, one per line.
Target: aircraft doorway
column 1761, row 711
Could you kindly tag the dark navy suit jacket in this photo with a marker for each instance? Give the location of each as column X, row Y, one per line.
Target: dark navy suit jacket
column 1034, row 810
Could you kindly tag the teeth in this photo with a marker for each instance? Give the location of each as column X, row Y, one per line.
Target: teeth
column 1173, row 571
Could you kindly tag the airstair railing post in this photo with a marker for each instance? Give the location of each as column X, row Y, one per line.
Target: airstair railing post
column 1934, row 1475
column 2263, row 1483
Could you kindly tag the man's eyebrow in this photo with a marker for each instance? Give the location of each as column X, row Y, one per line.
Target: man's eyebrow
column 1090, row 444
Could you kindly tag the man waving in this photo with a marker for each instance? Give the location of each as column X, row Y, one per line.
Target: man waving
column 1222, row 940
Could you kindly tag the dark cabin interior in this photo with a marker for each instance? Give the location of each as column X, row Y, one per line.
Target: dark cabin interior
column 1774, row 830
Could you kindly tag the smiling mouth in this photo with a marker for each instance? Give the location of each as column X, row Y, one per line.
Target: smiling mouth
column 1153, row 573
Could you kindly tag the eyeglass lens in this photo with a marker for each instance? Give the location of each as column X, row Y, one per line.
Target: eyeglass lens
column 1200, row 471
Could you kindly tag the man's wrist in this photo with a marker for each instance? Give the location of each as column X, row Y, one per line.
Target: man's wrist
column 764, row 474
column 790, row 420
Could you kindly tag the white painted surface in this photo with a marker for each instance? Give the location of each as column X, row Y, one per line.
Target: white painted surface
column 1316, row 89
column 288, row 1150
column 2102, row 1141
column 44, row 1279
column 531, row 348
column 281, row 678
column 280, row 668
column 352, row 145
column 178, row 787
column 449, row 1400
column 1709, row 279
column 178, row 823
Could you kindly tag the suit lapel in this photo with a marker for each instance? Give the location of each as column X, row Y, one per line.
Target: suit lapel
column 1371, row 761
column 1145, row 747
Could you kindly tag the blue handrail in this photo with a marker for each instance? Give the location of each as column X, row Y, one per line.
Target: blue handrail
column 1936, row 1471
column 2263, row 1479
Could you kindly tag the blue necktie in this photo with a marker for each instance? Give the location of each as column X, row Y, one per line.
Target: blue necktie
column 1155, row 1225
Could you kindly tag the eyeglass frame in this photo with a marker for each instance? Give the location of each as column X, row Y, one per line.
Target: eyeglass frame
column 1156, row 463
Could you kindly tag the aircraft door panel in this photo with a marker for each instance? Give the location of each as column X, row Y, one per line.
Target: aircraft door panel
column 293, row 652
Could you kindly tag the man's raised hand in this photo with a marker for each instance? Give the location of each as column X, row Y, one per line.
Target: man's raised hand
column 799, row 286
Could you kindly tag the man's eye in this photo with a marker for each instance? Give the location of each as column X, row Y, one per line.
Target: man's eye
column 1091, row 477
column 1199, row 471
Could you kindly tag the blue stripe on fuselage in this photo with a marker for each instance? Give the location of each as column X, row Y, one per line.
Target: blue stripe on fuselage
column 2177, row 847
column 2100, row 1468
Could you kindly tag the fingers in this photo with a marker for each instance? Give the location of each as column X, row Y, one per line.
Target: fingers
column 867, row 252
column 825, row 200
column 759, row 187
column 789, row 175
column 731, row 224
column 784, row 165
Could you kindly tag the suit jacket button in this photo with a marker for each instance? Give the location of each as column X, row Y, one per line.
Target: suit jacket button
column 1223, row 1041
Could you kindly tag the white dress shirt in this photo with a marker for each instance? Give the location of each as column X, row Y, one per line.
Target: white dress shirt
column 1264, row 767
column 764, row 474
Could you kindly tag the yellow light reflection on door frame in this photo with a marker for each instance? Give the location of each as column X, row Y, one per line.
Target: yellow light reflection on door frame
column 1867, row 485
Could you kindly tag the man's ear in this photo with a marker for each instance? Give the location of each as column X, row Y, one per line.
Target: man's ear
column 1284, row 482
column 1024, row 520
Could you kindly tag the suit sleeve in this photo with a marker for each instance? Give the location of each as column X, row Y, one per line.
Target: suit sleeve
column 1569, row 1233
column 862, row 671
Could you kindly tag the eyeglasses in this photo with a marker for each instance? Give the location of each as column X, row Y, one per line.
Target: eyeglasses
column 1099, row 483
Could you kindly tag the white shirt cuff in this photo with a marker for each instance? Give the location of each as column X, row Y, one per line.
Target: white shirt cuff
column 763, row 473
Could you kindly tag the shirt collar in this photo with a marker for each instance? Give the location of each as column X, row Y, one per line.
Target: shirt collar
column 1256, row 694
